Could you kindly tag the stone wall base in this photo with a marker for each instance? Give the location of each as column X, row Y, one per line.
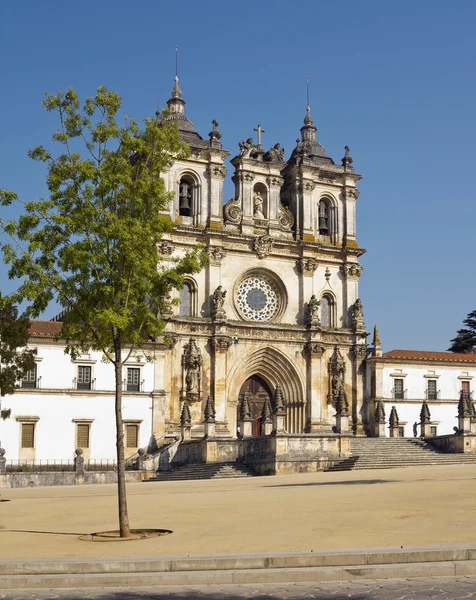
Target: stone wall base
column 462, row 443
column 22, row 480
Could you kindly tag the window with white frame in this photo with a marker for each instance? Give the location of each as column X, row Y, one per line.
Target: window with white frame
column 133, row 379
column 29, row 379
column 84, row 381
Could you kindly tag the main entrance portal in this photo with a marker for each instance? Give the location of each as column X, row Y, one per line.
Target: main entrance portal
column 258, row 392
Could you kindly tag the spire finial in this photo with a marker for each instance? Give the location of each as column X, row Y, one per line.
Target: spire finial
column 376, row 340
column 308, row 118
column 307, row 94
column 176, row 62
column 176, row 92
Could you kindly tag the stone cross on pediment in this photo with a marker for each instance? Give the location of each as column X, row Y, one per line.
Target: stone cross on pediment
column 259, row 130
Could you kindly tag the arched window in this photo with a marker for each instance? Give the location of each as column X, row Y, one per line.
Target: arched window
column 186, row 188
column 327, row 311
column 188, row 300
column 324, row 217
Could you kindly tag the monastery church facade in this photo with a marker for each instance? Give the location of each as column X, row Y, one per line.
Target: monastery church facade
column 275, row 317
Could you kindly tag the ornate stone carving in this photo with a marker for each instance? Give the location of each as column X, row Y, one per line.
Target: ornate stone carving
column 342, row 404
column 314, row 349
column 232, row 211
column 312, row 312
column 170, row 339
column 360, row 351
column 309, row 186
column 218, row 298
column 221, row 343
column 351, row 193
column 192, row 363
column 307, row 266
column 274, row 181
column 380, row 412
column 285, row 217
column 166, row 248
column 266, row 412
column 166, row 310
column 263, row 245
column 393, row 420
column 336, row 368
column 185, row 416
column 464, row 406
column 358, row 317
column 248, row 177
column 247, row 148
column 347, row 160
column 209, row 412
column 327, row 274
column 216, row 254
column 279, row 401
column 275, row 154
column 352, row 270
column 79, row 461
column 245, row 408
column 217, row 171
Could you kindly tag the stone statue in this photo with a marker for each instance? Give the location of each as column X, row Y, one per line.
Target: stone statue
column 218, row 298
column 313, row 312
column 192, row 371
column 358, row 316
column 275, row 154
column 246, row 147
column 258, row 205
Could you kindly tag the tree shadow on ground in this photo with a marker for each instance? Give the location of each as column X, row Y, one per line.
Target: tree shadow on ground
column 321, row 483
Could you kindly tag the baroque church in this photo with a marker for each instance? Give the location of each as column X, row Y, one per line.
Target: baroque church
column 278, row 303
column 264, row 359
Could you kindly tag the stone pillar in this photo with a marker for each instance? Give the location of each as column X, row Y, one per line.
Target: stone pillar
column 245, row 422
column 3, row 462
column 186, row 422
column 465, row 411
column 209, row 417
column 266, row 418
column 379, row 419
column 307, row 206
column 217, row 172
column 350, row 195
column 425, row 418
column 394, row 423
column 316, row 395
column 220, row 345
column 79, row 462
column 279, row 411
column 342, row 412
column 359, row 353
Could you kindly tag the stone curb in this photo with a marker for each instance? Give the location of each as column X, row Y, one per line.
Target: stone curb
column 291, row 567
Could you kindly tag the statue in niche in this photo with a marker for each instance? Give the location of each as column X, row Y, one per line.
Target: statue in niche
column 336, row 368
column 218, row 298
column 192, row 371
column 313, row 312
column 258, row 205
column 358, row 316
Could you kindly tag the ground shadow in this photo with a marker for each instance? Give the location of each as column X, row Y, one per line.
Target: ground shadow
column 319, row 484
column 43, row 532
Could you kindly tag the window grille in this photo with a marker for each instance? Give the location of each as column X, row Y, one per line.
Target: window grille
column 185, row 308
column 465, row 387
column 133, row 376
column 398, row 389
column 29, row 378
column 431, row 391
column 433, row 431
column 82, row 435
column 84, row 378
column 28, row 435
column 132, row 436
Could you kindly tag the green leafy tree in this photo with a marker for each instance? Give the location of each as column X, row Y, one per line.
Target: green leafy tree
column 15, row 357
column 91, row 245
column 465, row 340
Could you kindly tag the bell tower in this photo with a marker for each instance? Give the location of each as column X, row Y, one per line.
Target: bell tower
column 197, row 182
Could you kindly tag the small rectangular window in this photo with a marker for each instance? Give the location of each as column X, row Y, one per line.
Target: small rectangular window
column 433, row 431
column 401, row 431
column 84, row 378
column 29, row 378
column 132, row 436
column 133, row 377
column 28, row 435
column 465, row 387
column 398, row 389
column 431, row 390
column 82, row 435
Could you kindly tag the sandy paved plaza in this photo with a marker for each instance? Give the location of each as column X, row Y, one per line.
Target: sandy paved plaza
column 400, row 507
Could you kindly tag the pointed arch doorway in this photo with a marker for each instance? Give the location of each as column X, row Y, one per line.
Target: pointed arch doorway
column 259, row 392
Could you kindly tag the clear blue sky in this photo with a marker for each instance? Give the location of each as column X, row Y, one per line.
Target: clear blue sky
column 393, row 80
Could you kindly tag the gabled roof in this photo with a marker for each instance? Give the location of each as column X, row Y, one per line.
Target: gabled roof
column 429, row 356
column 45, row 329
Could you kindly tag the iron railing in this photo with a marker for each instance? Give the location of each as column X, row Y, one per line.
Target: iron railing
column 399, row 394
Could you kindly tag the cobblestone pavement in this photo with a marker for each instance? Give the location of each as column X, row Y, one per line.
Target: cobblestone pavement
column 443, row 588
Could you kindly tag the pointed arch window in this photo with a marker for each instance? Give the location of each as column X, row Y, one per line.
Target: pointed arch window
column 188, row 300
column 327, row 311
column 324, row 217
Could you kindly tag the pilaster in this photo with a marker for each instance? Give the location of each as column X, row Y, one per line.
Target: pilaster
column 316, row 400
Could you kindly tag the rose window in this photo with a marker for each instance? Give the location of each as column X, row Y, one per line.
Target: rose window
column 258, row 298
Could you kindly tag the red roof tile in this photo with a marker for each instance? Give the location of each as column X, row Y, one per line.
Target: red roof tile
column 425, row 355
column 45, row 329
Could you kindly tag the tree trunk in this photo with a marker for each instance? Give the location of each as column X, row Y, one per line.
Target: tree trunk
column 121, row 465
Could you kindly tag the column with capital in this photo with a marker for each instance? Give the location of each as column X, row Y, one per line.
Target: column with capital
column 316, row 394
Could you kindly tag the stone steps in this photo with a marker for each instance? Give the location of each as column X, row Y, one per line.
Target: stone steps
column 205, row 471
column 392, row 453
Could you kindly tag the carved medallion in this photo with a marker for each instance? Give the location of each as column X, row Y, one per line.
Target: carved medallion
column 263, row 245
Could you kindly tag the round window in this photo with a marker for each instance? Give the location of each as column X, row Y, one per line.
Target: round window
column 258, row 298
